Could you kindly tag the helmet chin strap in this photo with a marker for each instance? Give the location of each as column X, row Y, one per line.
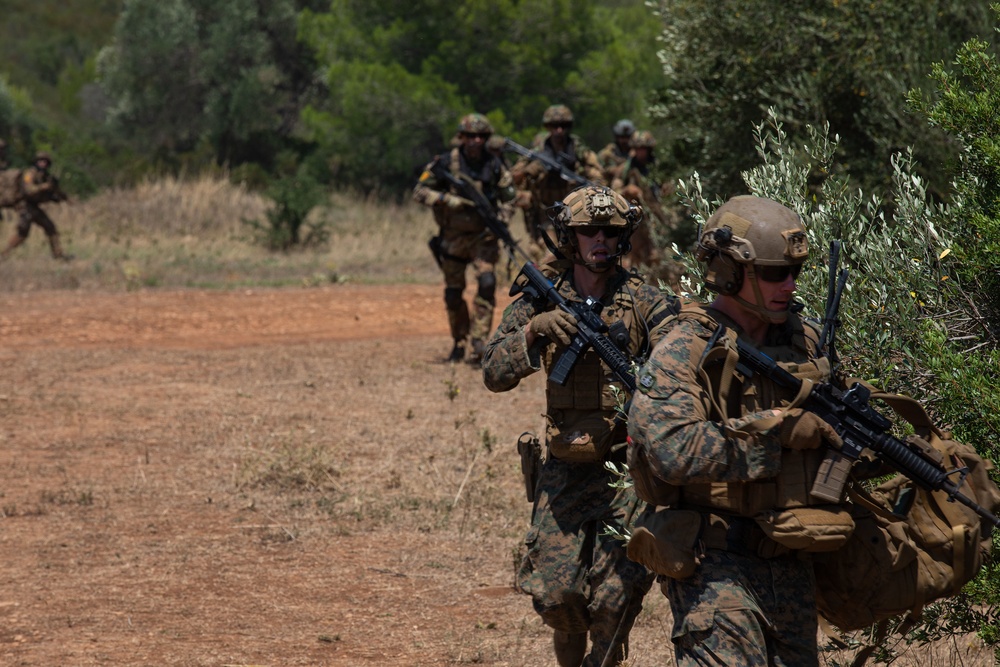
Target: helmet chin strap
column 774, row 317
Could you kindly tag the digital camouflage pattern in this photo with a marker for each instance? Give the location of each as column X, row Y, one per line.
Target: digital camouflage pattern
column 579, row 580
column 464, row 239
column 737, row 607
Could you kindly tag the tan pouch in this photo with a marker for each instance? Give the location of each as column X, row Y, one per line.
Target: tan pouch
column 588, row 438
column 811, row 529
column 666, row 541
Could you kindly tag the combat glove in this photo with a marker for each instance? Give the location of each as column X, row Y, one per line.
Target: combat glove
column 801, row 429
column 556, row 325
column 454, row 202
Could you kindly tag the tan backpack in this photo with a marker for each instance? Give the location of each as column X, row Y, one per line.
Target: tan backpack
column 896, row 563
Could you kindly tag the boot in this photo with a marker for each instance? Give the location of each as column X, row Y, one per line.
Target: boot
column 457, row 352
column 570, row 648
column 478, row 349
column 57, row 251
column 15, row 241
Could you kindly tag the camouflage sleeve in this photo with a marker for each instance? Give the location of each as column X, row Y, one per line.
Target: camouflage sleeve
column 505, row 185
column 32, row 184
column 508, row 358
column 428, row 190
column 670, row 425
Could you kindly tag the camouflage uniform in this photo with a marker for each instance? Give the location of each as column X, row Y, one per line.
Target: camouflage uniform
column 463, row 238
column 34, row 186
column 750, row 601
column 546, row 187
column 634, row 179
column 614, row 155
column 581, row 580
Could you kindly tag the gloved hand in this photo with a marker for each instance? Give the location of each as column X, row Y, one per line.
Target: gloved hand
column 556, row 325
column 454, row 202
column 801, row 429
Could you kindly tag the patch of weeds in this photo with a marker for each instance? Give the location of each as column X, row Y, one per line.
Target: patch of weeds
column 83, row 498
column 290, row 467
column 488, row 440
column 452, row 389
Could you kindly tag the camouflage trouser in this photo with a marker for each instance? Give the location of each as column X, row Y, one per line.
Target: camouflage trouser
column 745, row 611
column 28, row 213
column 458, row 252
column 581, row 581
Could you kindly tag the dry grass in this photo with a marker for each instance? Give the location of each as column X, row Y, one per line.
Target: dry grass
column 189, row 233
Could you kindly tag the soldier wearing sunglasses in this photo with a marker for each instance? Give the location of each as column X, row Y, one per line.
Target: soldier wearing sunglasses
column 581, row 581
column 717, row 448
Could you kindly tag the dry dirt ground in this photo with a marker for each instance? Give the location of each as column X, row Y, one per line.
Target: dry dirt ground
column 263, row 477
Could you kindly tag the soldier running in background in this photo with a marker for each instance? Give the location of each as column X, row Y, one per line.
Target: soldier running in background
column 463, row 237
column 28, row 189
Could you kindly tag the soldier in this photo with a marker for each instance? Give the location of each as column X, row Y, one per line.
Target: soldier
column 615, row 153
column 580, row 579
column 548, row 188
column 463, row 237
column 722, row 447
column 35, row 185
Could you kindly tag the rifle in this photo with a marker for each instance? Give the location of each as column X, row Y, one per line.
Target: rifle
column 553, row 166
column 591, row 329
column 861, row 426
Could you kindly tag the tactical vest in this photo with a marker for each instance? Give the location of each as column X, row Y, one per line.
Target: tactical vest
column 737, row 396
column 581, row 416
column 466, row 219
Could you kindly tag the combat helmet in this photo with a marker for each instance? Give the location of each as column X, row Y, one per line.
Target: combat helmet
column 623, row 128
column 594, row 206
column 750, row 236
column 557, row 113
column 43, row 155
column 475, row 123
column 643, row 139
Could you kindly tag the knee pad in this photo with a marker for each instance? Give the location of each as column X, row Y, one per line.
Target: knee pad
column 452, row 297
column 487, row 286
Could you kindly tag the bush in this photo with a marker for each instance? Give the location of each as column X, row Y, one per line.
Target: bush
column 288, row 224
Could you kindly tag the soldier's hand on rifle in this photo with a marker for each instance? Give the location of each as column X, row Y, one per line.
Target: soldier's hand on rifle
column 801, row 429
column 556, row 325
column 454, row 202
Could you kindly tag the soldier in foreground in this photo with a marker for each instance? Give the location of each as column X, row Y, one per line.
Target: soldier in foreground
column 463, row 237
column 616, row 153
column 580, row 579
column 723, row 450
column 33, row 187
column 548, row 187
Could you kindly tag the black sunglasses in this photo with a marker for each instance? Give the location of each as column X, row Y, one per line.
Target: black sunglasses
column 778, row 274
column 609, row 231
column 564, row 126
column 478, row 135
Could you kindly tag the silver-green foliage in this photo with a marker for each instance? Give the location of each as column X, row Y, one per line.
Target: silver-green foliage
column 900, row 290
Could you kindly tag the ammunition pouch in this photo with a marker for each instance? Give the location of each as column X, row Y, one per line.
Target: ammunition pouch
column 666, row 541
column 530, row 451
column 810, row 529
column 586, row 437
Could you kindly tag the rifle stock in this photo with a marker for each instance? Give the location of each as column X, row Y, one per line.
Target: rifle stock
column 861, row 426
